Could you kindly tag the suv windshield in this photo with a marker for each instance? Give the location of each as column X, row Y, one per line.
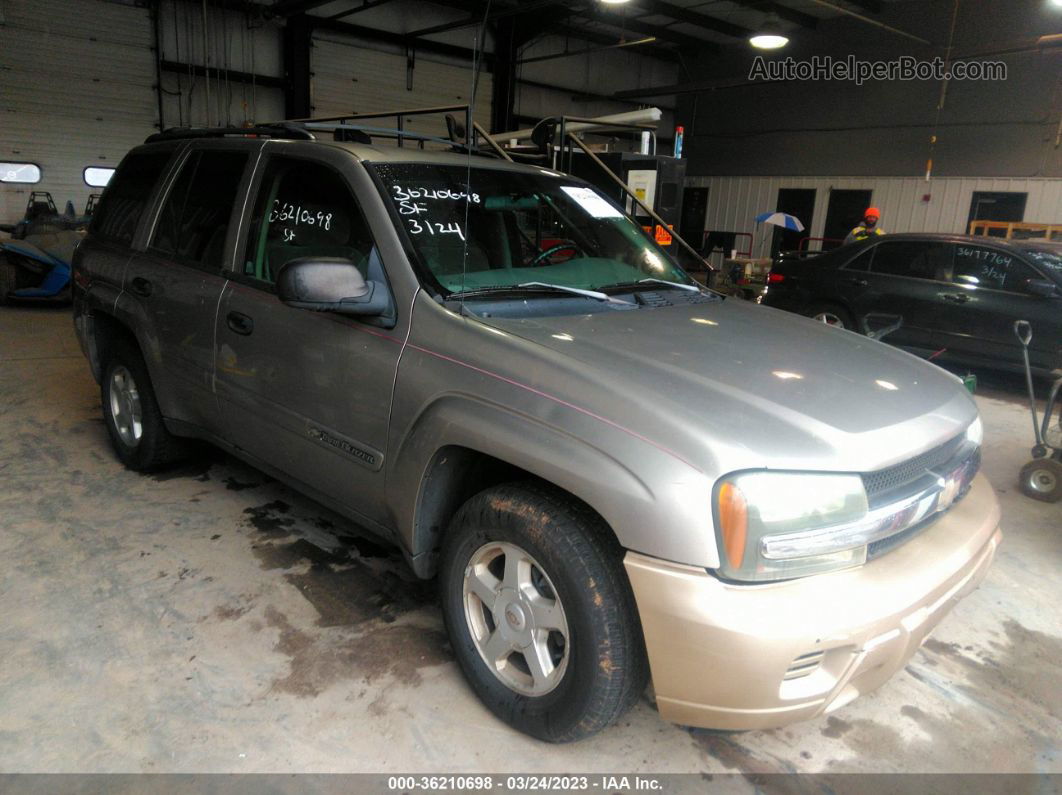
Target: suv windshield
column 477, row 229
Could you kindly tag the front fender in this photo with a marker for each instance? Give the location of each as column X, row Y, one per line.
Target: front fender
column 654, row 504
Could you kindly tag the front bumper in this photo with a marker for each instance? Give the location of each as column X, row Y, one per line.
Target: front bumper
column 729, row 656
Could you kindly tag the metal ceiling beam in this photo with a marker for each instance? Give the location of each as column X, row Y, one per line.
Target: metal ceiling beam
column 287, row 8
column 564, row 28
column 365, row 6
column 871, row 20
column 605, row 16
column 680, row 14
column 424, row 45
column 873, row 6
column 598, row 37
column 780, row 11
column 477, row 19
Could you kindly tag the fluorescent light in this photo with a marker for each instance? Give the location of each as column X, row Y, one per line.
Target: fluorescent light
column 768, row 41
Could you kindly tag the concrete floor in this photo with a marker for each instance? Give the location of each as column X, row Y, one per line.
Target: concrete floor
column 209, row 619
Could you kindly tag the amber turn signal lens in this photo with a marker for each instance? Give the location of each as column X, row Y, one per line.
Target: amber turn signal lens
column 733, row 521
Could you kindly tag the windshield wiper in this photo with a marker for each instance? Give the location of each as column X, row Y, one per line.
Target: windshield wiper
column 678, row 285
column 532, row 287
column 575, row 290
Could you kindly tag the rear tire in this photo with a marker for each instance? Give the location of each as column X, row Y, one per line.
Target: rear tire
column 533, row 581
column 132, row 415
column 1041, row 479
column 832, row 315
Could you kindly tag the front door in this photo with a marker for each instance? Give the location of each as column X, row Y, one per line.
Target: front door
column 987, row 294
column 306, row 392
column 178, row 280
column 900, row 277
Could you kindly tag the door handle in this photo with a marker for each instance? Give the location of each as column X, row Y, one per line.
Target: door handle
column 958, row 298
column 240, row 323
column 857, row 282
column 140, row 286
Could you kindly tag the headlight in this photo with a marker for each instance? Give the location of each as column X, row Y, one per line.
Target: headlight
column 770, row 524
column 975, row 432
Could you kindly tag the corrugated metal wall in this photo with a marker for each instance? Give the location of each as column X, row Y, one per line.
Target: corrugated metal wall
column 78, row 90
column 733, row 202
column 348, row 77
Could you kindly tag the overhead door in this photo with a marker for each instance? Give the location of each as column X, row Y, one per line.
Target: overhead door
column 78, row 90
column 349, row 78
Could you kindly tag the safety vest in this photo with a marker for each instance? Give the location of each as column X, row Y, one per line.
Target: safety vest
column 862, row 233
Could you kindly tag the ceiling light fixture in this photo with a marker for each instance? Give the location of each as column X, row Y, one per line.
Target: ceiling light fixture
column 768, row 41
column 769, row 35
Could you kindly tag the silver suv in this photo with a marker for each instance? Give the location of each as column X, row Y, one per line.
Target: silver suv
column 612, row 472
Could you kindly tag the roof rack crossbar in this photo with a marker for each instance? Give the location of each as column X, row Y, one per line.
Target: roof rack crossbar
column 381, row 114
column 278, row 130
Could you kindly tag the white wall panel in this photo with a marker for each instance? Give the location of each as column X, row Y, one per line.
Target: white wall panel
column 734, row 202
column 351, row 77
column 77, row 90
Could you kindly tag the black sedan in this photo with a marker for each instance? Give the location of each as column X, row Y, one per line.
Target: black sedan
column 958, row 295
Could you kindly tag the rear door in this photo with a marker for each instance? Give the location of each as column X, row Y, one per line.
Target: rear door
column 307, row 392
column 986, row 295
column 177, row 281
column 899, row 277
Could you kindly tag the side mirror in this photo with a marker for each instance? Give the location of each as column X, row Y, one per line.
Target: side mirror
column 331, row 284
column 1042, row 287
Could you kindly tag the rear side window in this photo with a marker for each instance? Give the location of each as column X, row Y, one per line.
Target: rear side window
column 195, row 218
column 977, row 266
column 127, row 195
column 912, row 258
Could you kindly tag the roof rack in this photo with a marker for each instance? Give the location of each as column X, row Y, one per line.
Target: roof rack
column 272, row 130
column 464, row 136
column 343, row 129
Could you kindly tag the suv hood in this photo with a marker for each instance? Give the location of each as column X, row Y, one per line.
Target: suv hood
column 752, row 385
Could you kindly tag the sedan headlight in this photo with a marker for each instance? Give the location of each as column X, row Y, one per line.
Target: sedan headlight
column 771, row 524
column 975, row 432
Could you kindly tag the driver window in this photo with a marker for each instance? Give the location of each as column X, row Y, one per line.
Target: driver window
column 304, row 209
column 977, row 266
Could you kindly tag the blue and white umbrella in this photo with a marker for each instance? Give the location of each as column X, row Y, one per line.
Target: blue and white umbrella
column 784, row 220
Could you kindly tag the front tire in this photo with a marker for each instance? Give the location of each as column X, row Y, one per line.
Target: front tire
column 540, row 613
column 132, row 415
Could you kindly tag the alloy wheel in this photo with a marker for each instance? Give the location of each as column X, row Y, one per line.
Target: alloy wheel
column 516, row 619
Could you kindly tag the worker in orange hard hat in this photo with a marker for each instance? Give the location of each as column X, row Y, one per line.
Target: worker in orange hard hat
column 869, row 227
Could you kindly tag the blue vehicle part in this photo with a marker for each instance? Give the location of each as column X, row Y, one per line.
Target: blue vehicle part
column 56, row 280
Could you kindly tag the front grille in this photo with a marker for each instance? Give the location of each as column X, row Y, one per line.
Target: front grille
column 881, row 486
column 969, row 464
